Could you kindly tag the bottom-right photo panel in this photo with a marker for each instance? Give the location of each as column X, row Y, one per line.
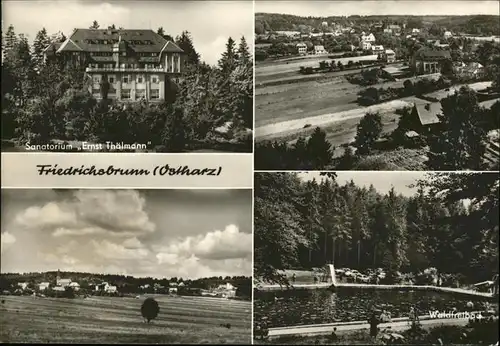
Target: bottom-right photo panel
column 376, row 258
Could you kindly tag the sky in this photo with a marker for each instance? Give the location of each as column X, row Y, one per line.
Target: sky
column 382, row 181
column 363, row 8
column 157, row 233
column 210, row 22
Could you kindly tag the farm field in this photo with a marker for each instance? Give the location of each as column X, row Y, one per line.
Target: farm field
column 280, row 103
column 26, row 319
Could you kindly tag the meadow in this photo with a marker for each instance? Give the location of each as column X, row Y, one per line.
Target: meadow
column 26, row 319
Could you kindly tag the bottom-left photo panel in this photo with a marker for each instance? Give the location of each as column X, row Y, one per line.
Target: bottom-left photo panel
column 126, row 266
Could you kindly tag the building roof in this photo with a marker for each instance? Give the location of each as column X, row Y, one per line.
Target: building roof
column 428, row 113
column 389, row 51
column 319, row 48
column 53, row 45
column 428, row 53
column 138, row 40
column 489, row 103
column 379, row 47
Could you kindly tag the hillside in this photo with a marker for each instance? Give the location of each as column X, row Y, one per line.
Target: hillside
column 474, row 24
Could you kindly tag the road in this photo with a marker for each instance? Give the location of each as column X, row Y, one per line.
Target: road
column 295, row 65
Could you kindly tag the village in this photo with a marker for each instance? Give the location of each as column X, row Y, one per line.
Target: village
column 332, row 72
column 65, row 287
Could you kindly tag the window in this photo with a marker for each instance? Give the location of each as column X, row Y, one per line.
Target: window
column 124, row 54
column 155, row 94
column 126, row 79
column 140, row 93
column 96, row 91
column 140, row 79
column 125, row 94
column 96, row 79
column 154, row 79
column 111, row 79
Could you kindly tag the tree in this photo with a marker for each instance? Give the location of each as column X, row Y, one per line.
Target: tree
column 40, row 43
column 460, row 144
column 9, row 41
column 95, row 25
column 150, row 309
column 347, row 160
column 244, row 55
column 185, row 42
column 104, row 87
column 368, row 131
column 320, row 151
column 278, row 226
column 174, row 134
column 227, row 62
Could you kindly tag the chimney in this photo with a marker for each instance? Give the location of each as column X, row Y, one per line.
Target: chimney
column 428, row 106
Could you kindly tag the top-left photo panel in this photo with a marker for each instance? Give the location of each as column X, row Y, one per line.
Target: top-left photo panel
column 127, row 76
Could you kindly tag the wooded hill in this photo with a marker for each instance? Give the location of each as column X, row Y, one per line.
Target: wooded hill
column 301, row 224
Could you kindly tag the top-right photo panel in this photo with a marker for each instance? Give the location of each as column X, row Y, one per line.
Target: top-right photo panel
column 377, row 85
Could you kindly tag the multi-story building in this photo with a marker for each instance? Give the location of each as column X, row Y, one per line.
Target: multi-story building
column 138, row 64
column 426, row 60
column 302, row 48
column 319, row 50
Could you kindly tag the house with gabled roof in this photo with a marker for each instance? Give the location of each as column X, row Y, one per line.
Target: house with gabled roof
column 427, row 60
column 138, row 64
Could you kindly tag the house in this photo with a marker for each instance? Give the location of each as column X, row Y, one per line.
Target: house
column 172, row 290
column 173, row 284
column 470, row 70
column 377, row 49
column 110, row 289
column 51, row 51
column 415, row 31
column 388, row 31
column 22, row 285
column 389, row 55
column 427, row 60
column 301, row 48
column 447, row 35
column 365, row 45
column 368, row 38
column 63, row 282
column 324, row 24
column 43, row 286
column 75, row 286
column 137, row 63
column 425, row 117
column 394, row 28
column 181, row 284
column 318, row 50
column 59, row 289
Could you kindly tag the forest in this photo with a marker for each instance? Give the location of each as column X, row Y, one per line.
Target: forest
column 44, row 101
column 302, row 224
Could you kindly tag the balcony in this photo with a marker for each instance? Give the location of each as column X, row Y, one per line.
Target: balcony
column 128, row 69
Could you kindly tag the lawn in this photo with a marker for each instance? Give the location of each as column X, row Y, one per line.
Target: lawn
column 26, row 319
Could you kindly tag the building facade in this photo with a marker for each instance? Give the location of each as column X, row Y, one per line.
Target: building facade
column 427, row 60
column 318, row 50
column 302, row 48
column 124, row 65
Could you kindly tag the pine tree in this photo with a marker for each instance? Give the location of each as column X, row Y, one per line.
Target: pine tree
column 95, row 25
column 40, row 43
column 320, row 151
column 185, row 42
column 244, row 55
column 227, row 62
column 9, row 41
